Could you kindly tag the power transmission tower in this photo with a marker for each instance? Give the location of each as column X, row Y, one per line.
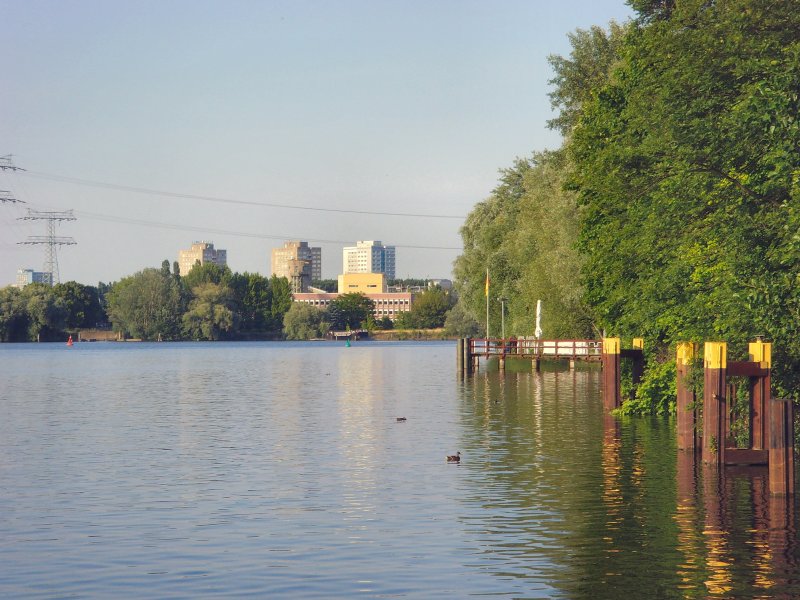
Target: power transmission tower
column 5, row 196
column 6, row 164
column 51, row 240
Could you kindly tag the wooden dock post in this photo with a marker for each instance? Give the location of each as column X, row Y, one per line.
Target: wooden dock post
column 460, row 356
column 611, row 374
column 714, row 403
column 687, row 414
column 760, row 352
column 781, row 447
column 637, row 364
column 468, row 364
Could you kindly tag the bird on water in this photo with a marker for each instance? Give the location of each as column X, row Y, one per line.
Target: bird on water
column 454, row 457
column 401, row 419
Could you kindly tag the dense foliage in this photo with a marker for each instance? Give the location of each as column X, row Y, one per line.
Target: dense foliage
column 672, row 210
column 38, row 311
column 428, row 311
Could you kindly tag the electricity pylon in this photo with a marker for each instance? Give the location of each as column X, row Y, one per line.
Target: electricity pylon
column 51, row 240
column 5, row 196
column 6, row 164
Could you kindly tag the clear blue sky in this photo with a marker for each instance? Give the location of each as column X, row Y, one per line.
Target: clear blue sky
column 394, row 107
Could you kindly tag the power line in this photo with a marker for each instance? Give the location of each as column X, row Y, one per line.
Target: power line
column 130, row 221
column 51, row 240
column 139, row 190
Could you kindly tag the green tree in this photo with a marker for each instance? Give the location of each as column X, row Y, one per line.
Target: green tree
column 429, row 309
column 210, row 314
column 303, row 322
column 46, row 312
column 146, row 305
column 460, row 323
column 594, row 54
column 281, row 300
column 329, row 285
column 525, row 234
column 252, row 296
column 14, row 317
column 81, row 303
column 207, row 273
column 349, row 311
column 685, row 163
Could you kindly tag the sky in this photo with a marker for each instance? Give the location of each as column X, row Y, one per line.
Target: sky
column 249, row 123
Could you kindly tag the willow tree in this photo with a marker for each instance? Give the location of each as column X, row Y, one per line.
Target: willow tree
column 525, row 235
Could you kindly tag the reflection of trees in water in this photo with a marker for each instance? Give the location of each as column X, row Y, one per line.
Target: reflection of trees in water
column 568, row 501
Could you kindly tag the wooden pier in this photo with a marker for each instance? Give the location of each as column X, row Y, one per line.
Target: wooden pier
column 471, row 350
column 770, row 421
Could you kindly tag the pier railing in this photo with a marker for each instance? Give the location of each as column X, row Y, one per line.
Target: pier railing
column 530, row 347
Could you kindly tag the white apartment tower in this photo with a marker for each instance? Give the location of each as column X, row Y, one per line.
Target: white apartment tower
column 369, row 257
column 281, row 265
column 203, row 252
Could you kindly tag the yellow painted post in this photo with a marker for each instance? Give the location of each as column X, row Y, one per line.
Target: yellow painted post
column 611, row 373
column 638, row 343
column 761, row 353
column 687, row 414
column 714, row 402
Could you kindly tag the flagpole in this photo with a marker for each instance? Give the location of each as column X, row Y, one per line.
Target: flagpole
column 487, row 303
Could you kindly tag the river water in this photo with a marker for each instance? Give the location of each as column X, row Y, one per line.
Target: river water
column 280, row 470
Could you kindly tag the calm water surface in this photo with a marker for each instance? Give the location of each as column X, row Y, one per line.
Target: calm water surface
column 280, row 470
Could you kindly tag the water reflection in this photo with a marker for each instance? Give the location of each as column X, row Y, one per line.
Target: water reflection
column 605, row 507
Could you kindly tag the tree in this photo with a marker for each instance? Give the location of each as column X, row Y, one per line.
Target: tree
column 165, row 267
column 525, row 234
column 281, row 300
column 46, row 312
column 207, row 273
column 461, row 323
column 329, row 285
column 686, row 169
column 303, row 322
column 429, row 309
column 14, row 317
column 594, row 54
column 252, row 297
column 146, row 305
column 349, row 311
column 81, row 303
column 209, row 315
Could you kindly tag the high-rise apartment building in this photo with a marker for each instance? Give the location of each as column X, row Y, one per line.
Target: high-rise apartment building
column 28, row 276
column 369, row 257
column 281, row 265
column 203, row 252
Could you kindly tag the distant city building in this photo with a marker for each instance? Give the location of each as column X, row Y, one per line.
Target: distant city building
column 445, row 284
column 27, row 276
column 299, row 275
column 386, row 305
column 365, row 283
column 203, row 252
column 369, row 257
column 296, row 250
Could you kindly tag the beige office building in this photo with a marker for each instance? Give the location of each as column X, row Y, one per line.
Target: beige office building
column 281, row 259
column 203, row 252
